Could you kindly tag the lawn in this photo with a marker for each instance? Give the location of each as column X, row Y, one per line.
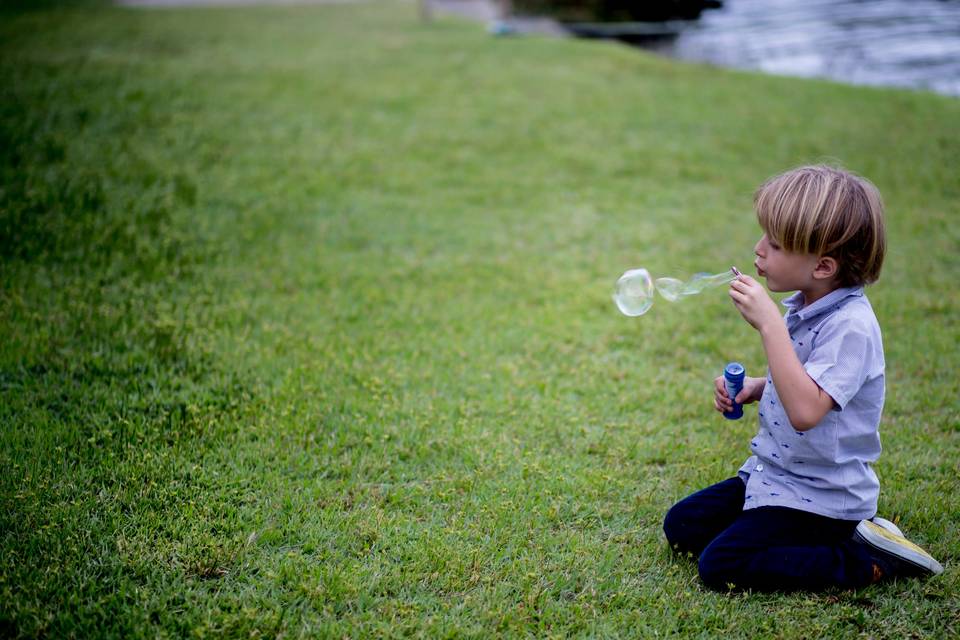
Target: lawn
column 307, row 328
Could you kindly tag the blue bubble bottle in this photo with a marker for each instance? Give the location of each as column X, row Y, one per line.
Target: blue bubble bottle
column 733, row 375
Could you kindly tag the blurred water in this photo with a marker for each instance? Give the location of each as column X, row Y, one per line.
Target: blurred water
column 903, row 43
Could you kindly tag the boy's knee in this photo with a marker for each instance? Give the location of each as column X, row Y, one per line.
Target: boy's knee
column 676, row 528
column 718, row 568
column 671, row 525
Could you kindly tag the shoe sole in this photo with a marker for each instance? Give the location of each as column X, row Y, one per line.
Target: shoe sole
column 876, row 536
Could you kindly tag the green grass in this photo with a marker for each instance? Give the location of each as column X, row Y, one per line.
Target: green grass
column 307, row 330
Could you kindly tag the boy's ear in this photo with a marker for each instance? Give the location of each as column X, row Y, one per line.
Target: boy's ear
column 826, row 268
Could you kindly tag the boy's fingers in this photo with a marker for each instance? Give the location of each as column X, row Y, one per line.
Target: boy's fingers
column 721, row 402
column 744, row 286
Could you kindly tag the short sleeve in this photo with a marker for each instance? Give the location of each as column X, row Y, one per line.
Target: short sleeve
column 840, row 360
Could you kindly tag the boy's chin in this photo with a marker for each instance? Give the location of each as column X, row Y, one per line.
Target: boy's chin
column 777, row 288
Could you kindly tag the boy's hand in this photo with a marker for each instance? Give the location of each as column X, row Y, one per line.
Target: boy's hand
column 751, row 392
column 754, row 303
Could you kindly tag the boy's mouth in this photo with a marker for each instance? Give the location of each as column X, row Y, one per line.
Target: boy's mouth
column 760, row 272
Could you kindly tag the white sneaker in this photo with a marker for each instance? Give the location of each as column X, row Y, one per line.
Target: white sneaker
column 894, row 554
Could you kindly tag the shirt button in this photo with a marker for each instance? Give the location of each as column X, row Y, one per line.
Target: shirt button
column 759, row 468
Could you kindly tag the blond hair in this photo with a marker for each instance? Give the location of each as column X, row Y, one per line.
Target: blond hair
column 826, row 211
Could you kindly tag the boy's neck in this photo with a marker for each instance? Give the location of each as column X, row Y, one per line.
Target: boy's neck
column 818, row 290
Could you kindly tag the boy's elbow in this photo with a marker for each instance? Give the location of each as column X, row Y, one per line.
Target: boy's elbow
column 805, row 420
column 804, row 423
column 811, row 412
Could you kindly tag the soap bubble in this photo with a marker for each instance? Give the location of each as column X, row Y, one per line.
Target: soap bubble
column 634, row 292
column 701, row 281
column 669, row 288
column 698, row 283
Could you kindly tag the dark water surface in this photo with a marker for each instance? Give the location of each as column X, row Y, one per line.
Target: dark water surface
column 902, row 43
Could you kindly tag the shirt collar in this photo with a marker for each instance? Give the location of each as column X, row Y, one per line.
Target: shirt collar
column 795, row 307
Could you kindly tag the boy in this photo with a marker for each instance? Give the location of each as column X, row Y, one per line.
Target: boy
column 798, row 514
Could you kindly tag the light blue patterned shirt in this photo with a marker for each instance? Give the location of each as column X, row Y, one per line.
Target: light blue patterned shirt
column 826, row 469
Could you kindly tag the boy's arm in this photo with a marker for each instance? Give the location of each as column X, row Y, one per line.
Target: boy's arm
column 803, row 400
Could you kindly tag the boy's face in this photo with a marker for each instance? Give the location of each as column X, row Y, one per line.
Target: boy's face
column 784, row 271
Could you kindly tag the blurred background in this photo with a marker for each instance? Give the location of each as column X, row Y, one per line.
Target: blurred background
column 903, row 43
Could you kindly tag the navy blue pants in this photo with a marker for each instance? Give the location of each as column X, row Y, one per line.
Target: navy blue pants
column 765, row 548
